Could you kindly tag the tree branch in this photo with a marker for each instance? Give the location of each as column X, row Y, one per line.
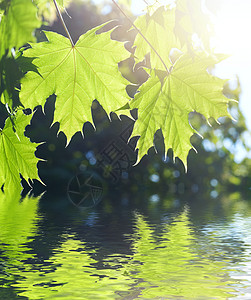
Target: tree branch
column 63, row 23
column 138, row 30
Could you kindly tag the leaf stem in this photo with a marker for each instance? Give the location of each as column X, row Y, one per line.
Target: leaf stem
column 63, row 22
column 138, row 30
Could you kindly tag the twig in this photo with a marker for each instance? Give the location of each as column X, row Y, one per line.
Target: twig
column 63, row 23
column 138, row 30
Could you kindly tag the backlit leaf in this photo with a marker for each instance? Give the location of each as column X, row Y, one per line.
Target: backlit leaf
column 17, row 25
column 17, row 153
column 77, row 75
column 158, row 30
column 165, row 104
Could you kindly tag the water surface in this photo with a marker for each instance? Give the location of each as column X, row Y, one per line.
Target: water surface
column 127, row 247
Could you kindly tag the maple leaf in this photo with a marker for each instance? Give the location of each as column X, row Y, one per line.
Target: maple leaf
column 17, row 24
column 77, row 75
column 165, row 104
column 17, row 153
column 158, row 31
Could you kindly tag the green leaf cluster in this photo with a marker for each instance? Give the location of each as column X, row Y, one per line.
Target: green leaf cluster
column 178, row 79
column 18, row 21
column 165, row 103
column 179, row 82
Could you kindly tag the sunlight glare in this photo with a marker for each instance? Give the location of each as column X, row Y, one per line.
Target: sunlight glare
column 232, row 26
column 232, row 29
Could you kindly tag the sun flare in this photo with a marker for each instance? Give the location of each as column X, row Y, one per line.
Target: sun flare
column 232, row 28
column 231, row 22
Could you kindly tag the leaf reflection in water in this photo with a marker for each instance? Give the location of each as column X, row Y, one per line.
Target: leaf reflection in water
column 173, row 266
column 169, row 265
column 73, row 274
column 18, row 221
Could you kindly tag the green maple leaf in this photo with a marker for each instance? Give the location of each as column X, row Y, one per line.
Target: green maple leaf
column 165, row 104
column 77, row 75
column 17, row 153
column 17, row 25
column 158, row 30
